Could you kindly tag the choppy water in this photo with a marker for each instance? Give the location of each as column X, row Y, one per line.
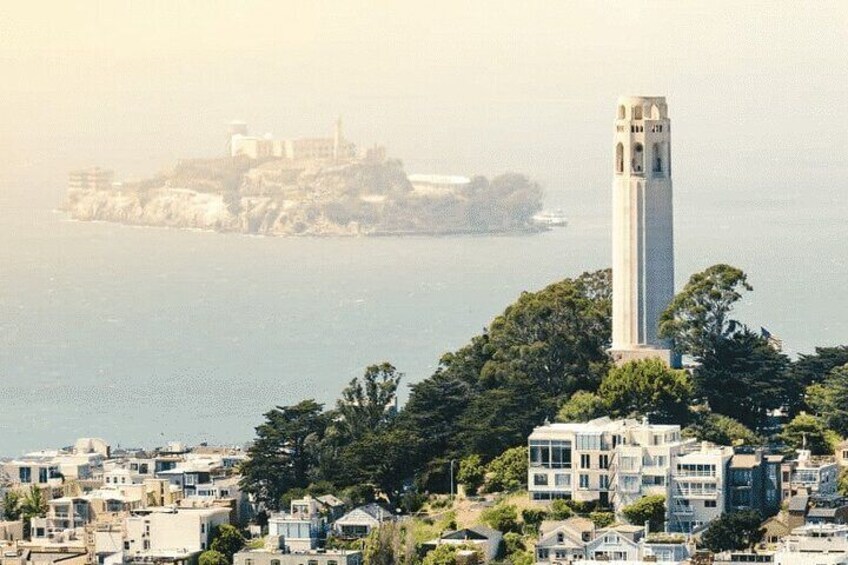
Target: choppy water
column 146, row 335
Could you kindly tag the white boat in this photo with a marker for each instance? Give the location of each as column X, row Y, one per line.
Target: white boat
column 550, row 219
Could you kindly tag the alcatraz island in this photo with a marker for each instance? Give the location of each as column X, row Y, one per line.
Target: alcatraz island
column 308, row 186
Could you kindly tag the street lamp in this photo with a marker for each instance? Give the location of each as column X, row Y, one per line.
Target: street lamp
column 452, row 461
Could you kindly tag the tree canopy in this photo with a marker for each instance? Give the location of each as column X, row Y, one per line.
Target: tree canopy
column 699, row 316
column 829, row 400
column 733, row 531
column 227, row 540
column 647, row 388
column 649, row 509
column 284, row 451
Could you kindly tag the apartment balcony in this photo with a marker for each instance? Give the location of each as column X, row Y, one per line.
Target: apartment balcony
column 683, row 511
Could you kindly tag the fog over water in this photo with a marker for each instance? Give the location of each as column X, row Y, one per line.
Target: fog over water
column 142, row 335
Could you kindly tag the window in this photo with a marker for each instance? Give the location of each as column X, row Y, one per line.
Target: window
column 585, row 461
column 621, row 112
column 540, row 479
column 562, row 480
column 604, row 482
column 126, row 546
column 637, row 163
column 630, row 484
column 560, row 537
column 25, row 474
column 588, row 442
column 584, row 481
column 637, row 112
column 709, row 504
column 603, row 461
column 658, row 158
column 275, row 562
column 619, row 168
column 42, row 475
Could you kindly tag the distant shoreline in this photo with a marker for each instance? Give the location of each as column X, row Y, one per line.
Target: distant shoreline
column 529, row 231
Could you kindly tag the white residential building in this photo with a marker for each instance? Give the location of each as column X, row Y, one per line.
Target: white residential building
column 159, row 530
column 696, row 493
column 816, row 476
column 822, row 544
column 611, row 461
column 301, row 527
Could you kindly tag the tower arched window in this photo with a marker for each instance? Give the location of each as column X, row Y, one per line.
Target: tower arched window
column 637, row 164
column 637, row 112
column 655, row 112
column 621, row 112
column 619, row 158
column 658, row 158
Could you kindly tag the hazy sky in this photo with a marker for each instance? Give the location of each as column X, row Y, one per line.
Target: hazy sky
column 757, row 90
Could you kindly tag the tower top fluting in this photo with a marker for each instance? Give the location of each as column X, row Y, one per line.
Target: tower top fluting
column 642, row 108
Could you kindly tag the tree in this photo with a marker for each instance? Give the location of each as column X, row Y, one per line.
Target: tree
column 829, row 400
column 813, row 368
column 581, row 407
column 533, row 518
column 503, row 517
column 284, row 452
column 227, row 540
column 446, row 554
column 744, row 377
column 380, row 459
column 513, row 543
column 33, row 504
column 560, row 510
column 556, row 337
column 721, row 430
column 733, row 531
column 522, row 558
column 649, row 509
column 842, row 481
column 508, row 471
column 390, row 544
column 368, row 403
column 471, row 473
column 648, row 388
column 11, row 505
column 602, row 519
column 699, row 316
column 809, row 431
column 211, row 557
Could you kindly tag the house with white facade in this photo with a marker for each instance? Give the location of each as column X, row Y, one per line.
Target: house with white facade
column 167, row 530
column 696, row 493
column 301, row 527
column 613, row 462
column 359, row 522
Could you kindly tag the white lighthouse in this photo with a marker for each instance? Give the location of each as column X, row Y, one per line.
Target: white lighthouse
column 642, row 228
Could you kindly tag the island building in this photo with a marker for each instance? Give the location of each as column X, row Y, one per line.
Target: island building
column 642, row 229
column 94, row 178
column 334, row 147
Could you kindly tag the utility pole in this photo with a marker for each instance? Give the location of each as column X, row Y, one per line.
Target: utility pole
column 452, row 488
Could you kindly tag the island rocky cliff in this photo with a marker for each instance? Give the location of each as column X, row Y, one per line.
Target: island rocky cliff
column 282, row 197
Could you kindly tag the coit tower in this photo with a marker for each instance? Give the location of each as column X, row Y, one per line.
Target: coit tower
column 642, row 228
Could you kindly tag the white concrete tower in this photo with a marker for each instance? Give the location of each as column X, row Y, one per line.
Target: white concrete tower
column 642, row 228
